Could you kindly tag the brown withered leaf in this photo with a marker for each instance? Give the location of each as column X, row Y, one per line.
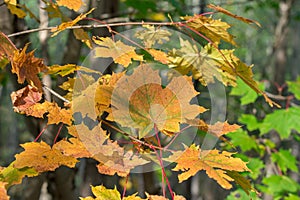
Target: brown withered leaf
column 25, row 98
column 42, row 157
column 226, row 12
column 27, row 67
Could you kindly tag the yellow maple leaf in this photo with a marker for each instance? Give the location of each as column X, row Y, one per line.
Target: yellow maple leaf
column 26, row 66
column 63, row 70
column 83, row 36
column 74, row 4
column 140, row 101
column 101, row 192
column 120, row 52
column 159, row 56
column 13, row 8
column 65, row 25
column 215, row 163
column 42, row 157
column 58, row 115
column 215, row 30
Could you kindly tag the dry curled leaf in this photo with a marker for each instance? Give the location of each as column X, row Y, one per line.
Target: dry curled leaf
column 118, row 51
column 26, row 66
column 42, row 157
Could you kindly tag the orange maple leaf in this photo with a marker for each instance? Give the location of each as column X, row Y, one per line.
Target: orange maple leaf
column 26, row 66
column 140, row 101
column 3, row 192
column 72, row 147
column 120, row 52
column 215, row 163
column 57, row 115
column 159, row 56
column 42, row 157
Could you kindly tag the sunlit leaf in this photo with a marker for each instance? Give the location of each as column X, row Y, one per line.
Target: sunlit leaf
column 13, row 8
column 74, row 4
column 42, row 157
column 151, row 35
column 215, row 163
column 283, row 121
column 65, row 25
column 58, row 115
column 101, row 193
column 159, row 56
column 243, row 140
column 72, row 147
column 3, row 192
column 118, row 51
column 215, row 30
column 63, row 70
column 139, row 101
column 226, row 12
column 26, row 66
column 294, row 87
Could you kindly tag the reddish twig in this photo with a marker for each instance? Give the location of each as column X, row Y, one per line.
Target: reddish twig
column 40, row 134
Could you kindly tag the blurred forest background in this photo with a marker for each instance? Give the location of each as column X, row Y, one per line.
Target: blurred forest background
column 274, row 50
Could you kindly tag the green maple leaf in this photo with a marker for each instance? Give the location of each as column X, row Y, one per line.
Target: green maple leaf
column 283, row 121
column 294, row 87
column 250, row 121
column 277, row 185
column 285, row 160
column 242, row 139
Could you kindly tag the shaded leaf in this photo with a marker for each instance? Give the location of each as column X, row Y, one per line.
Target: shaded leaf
column 226, row 12
column 13, row 176
column 241, row 181
column 26, row 66
column 65, row 25
column 215, row 163
column 139, row 101
column 83, row 36
column 118, row 51
column 42, row 157
column 215, row 30
column 53, row 10
column 7, row 49
column 74, row 4
column 151, row 35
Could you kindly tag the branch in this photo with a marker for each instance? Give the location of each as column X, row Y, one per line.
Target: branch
column 95, row 26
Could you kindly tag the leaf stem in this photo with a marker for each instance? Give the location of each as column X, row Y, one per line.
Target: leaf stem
column 58, row 132
column 40, row 134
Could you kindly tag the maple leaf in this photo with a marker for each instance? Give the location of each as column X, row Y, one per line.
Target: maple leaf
column 58, row 115
column 151, row 35
column 53, row 10
column 101, row 193
column 42, row 157
column 226, row 12
column 25, row 98
column 65, row 25
column 73, row 147
column 120, row 52
column 113, row 158
column 7, row 49
column 205, row 63
column 26, row 66
column 83, row 36
column 215, row 163
column 74, row 4
column 215, row 30
column 139, row 101
column 3, row 192
column 13, row 176
column 159, row 56
column 63, row 70
column 13, row 8
column 157, row 197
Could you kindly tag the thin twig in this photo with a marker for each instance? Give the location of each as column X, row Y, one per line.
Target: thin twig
column 56, row 94
column 94, row 26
